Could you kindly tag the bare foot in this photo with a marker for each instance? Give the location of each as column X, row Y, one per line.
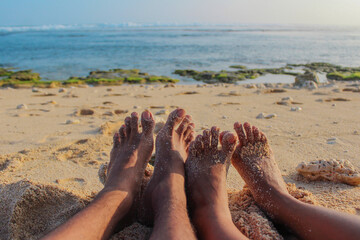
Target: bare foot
column 206, row 170
column 167, row 182
column 130, row 154
column 255, row 162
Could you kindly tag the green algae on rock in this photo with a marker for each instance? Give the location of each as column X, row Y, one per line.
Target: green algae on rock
column 28, row 79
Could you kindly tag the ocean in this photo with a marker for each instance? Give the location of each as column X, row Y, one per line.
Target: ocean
column 60, row 51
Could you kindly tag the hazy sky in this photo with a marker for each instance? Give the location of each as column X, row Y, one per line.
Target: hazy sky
column 39, row 12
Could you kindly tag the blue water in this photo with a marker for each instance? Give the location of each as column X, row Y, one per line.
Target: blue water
column 58, row 52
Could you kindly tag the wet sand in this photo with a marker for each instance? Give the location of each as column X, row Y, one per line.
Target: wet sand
column 53, row 143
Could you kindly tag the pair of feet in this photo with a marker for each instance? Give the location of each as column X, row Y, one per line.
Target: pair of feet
column 198, row 164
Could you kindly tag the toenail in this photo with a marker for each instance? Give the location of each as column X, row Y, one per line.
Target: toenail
column 180, row 112
column 134, row 114
column 230, row 138
column 146, row 115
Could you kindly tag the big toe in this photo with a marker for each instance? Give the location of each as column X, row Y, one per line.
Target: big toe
column 147, row 123
column 173, row 120
column 228, row 142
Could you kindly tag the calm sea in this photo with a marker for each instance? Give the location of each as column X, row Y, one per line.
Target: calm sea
column 58, row 52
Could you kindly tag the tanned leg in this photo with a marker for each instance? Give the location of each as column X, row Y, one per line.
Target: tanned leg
column 130, row 154
column 206, row 170
column 165, row 198
column 255, row 162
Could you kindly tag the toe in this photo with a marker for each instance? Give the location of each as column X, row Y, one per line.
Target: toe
column 249, row 132
column 134, row 124
column 127, row 126
column 214, row 138
column 116, row 140
column 256, row 133
column 190, row 138
column 147, row 123
column 173, row 120
column 122, row 134
column 228, row 143
column 241, row 133
column 184, row 125
column 198, row 144
column 263, row 138
column 189, row 130
column 206, row 139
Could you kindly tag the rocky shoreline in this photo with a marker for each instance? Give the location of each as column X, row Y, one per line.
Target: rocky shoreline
column 306, row 75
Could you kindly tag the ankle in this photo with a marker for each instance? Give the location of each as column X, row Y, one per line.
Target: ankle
column 170, row 190
column 279, row 206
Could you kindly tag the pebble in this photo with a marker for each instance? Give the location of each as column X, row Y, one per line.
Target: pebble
column 287, row 99
column 109, row 89
column 136, row 107
column 333, row 105
column 22, row 106
column 296, row 109
column 356, row 132
column 225, row 117
column 269, row 116
column 75, row 121
column 162, row 112
column 62, row 90
column 35, row 90
column 272, row 115
column 260, row 116
column 332, row 140
column 336, row 90
column 86, row 112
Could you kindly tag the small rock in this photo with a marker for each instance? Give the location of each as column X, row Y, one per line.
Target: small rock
column 62, row 90
column 333, row 105
column 170, row 85
column 356, row 132
column 260, row 116
column 336, row 90
column 136, row 107
column 108, row 114
column 22, row 106
column 310, row 85
column 109, row 89
column 296, row 109
column 251, row 86
column 86, row 112
column 272, row 115
column 331, row 140
column 225, row 117
column 118, row 111
column 162, row 112
column 75, row 121
column 35, row 90
column 290, row 99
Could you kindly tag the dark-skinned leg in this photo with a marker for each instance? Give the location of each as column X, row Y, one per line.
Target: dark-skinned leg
column 206, row 170
column 165, row 199
column 130, row 154
column 255, row 162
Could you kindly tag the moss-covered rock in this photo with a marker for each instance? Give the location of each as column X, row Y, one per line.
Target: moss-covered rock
column 5, row 72
column 344, row 76
column 25, row 75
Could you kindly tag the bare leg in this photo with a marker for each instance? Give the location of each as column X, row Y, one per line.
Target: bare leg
column 206, row 170
column 165, row 198
column 129, row 156
column 255, row 162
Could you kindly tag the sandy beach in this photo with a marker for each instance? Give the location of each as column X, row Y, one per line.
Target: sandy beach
column 53, row 142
